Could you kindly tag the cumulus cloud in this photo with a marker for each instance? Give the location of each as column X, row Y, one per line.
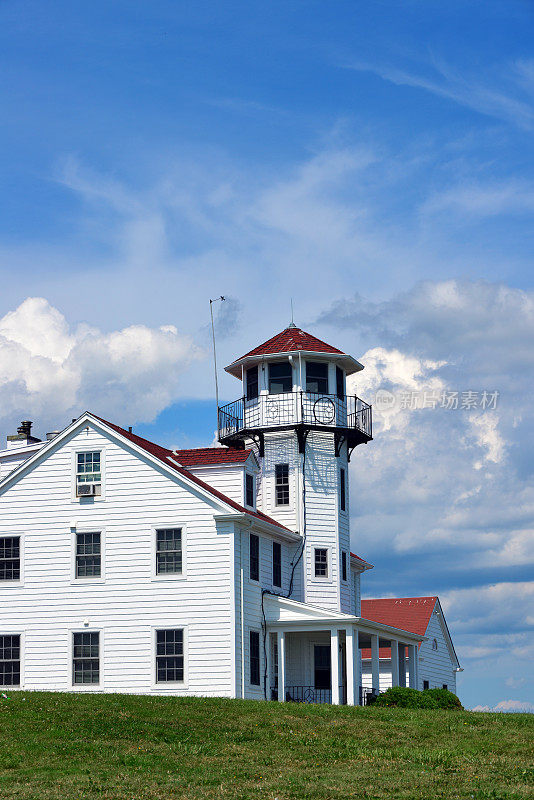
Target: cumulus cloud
column 508, row 707
column 49, row 370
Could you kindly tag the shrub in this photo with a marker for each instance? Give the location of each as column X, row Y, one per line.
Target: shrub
column 403, row 697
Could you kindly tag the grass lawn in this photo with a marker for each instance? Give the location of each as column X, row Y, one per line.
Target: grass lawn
column 122, row 747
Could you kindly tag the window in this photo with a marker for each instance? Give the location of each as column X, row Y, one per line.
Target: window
column 85, row 658
column 426, row 685
column 170, row 656
column 434, row 644
column 321, row 562
column 10, row 660
column 10, row 558
column 254, row 658
column 342, row 490
column 322, row 666
column 316, row 377
column 281, row 484
column 445, row 686
column 340, row 383
column 169, row 551
column 344, row 566
column 254, row 558
column 249, row 490
column 280, row 378
column 88, row 474
column 252, row 383
column 277, row 564
column 88, row 556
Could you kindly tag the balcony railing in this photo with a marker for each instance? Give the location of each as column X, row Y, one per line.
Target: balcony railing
column 294, row 408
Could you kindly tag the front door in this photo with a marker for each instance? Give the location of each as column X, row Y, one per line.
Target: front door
column 321, row 656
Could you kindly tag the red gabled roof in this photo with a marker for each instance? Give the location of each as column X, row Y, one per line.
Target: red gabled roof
column 169, row 459
column 358, row 558
column 290, row 340
column 204, row 456
column 407, row 613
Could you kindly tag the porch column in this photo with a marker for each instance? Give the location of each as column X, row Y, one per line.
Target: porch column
column 375, row 662
column 394, row 662
column 281, row 667
column 411, row 666
column 351, row 650
column 402, row 664
column 334, row 665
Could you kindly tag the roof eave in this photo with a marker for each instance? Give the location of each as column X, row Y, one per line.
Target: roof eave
column 350, row 364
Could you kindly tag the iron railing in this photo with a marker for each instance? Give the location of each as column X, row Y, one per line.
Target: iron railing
column 309, row 694
column 367, row 695
column 293, row 408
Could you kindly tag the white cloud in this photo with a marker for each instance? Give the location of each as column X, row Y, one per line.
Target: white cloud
column 48, row 370
column 509, row 707
column 508, row 103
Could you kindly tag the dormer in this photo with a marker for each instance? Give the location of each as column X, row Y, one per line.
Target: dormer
column 232, row 472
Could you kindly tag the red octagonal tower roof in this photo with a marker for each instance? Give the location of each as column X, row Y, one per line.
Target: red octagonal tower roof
column 293, row 340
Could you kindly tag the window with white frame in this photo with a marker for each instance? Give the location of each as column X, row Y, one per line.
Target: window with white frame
column 169, row 555
column 86, row 658
column 88, row 555
column 249, row 490
column 88, row 474
column 10, row 660
column 321, row 562
column 281, row 484
column 170, row 656
column 254, row 658
column 10, row 558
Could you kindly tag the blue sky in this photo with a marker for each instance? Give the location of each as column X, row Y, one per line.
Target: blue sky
column 372, row 161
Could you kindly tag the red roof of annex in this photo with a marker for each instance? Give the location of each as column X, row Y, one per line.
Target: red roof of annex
column 407, row 613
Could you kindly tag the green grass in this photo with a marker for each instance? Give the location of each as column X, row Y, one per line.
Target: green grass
column 123, row 747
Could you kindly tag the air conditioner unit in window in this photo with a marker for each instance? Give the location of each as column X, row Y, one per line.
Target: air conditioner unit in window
column 87, row 489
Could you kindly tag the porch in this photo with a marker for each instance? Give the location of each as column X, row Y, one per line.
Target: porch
column 315, row 660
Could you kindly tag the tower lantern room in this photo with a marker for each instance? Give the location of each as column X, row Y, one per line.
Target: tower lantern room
column 295, row 382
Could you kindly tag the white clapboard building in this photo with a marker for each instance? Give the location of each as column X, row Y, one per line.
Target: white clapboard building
column 129, row 567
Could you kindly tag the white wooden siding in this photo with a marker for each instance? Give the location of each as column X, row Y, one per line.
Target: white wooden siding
column 131, row 602
column 436, row 666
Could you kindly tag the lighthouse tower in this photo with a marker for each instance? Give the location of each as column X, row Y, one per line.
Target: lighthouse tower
column 294, row 411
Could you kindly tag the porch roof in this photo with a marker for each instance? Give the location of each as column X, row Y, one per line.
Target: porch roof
column 293, row 616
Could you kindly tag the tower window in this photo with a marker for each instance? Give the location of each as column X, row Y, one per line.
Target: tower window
column 280, row 378
column 254, row 557
column 342, row 490
column 252, row 383
column 277, row 564
column 254, row 658
column 321, row 562
column 316, row 377
column 249, row 490
column 340, row 383
column 281, row 480
column 344, row 566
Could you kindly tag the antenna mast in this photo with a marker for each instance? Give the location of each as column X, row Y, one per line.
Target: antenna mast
column 215, row 358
